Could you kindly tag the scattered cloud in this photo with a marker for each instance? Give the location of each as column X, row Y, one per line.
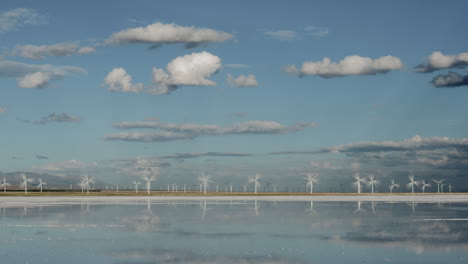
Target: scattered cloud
column 15, row 18
column 438, row 61
column 193, row 70
column 33, row 76
column 321, row 165
column 159, row 33
column 3, row 109
column 452, row 79
column 56, row 50
column 191, row 155
column 41, row 157
column 55, row 118
column 172, row 132
column 242, row 81
column 118, row 80
column 284, row 35
column 316, row 31
column 237, row 66
column 350, row 65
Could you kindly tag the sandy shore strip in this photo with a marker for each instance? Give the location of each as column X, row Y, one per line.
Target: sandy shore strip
column 66, row 200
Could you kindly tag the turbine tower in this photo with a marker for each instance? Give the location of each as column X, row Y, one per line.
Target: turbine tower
column 412, row 183
column 41, row 184
column 135, row 183
column 311, row 179
column 359, row 181
column 24, row 182
column 425, row 185
column 255, row 181
column 4, row 184
column 204, row 180
column 372, row 182
column 438, row 184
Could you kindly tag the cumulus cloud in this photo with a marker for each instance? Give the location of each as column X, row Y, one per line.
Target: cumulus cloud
column 316, row 31
column 55, row 118
column 282, row 34
column 193, row 69
column 18, row 17
column 438, row 61
column 118, row 80
column 36, row 76
column 172, row 132
column 57, row 50
column 452, row 79
column 159, row 33
column 350, row 65
column 242, row 81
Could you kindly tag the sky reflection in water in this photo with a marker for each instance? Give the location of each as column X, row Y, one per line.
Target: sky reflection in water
column 236, row 232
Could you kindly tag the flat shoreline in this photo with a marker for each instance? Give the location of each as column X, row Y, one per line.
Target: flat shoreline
column 8, row 201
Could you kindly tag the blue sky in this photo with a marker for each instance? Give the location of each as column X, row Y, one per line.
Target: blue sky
column 67, row 113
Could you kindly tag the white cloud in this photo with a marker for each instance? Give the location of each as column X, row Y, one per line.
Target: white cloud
column 316, row 31
column 36, row 76
column 242, row 81
column 55, row 118
column 159, row 33
column 18, row 17
column 170, row 132
column 282, row 34
column 57, row 50
column 350, row 65
column 119, row 81
column 193, row 69
column 438, row 61
column 452, row 79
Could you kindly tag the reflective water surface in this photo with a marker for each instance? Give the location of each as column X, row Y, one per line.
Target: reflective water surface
column 235, row 232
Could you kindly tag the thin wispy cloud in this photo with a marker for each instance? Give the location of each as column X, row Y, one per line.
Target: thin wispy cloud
column 56, row 50
column 189, row 70
column 242, row 81
column 438, row 61
column 285, row 35
column 316, row 31
column 15, row 18
column 32, row 76
column 184, row 131
column 159, row 33
column 191, row 155
column 41, row 157
column 350, row 65
column 236, row 66
column 55, row 118
column 450, row 80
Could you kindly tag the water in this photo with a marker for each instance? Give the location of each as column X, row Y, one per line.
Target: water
column 235, row 232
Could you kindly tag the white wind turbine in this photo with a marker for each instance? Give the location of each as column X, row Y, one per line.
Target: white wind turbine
column 450, row 187
column 359, row 181
column 82, row 184
column 135, row 183
column 4, row 184
column 425, row 185
column 311, row 179
column 274, row 187
column 148, row 179
column 393, row 185
column 438, row 184
column 87, row 181
column 255, row 181
column 41, row 183
column 372, row 182
column 204, row 180
column 24, row 182
column 412, row 183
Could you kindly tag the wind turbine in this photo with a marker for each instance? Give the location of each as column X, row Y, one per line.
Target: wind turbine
column 204, row 180
column 148, row 179
column 450, row 187
column 424, row 185
column 438, row 184
column 372, row 182
column 136, row 186
column 255, row 181
column 41, row 184
column 87, row 182
column 359, row 181
column 311, row 179
column 82, row 184
column 393, row 185
column 412, row 183
column 24, row 183
column 4, row 184
column 274, row 187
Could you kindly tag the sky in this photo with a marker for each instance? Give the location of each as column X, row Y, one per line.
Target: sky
column 233, row 89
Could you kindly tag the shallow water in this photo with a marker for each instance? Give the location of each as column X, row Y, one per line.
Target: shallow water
column 235, row 232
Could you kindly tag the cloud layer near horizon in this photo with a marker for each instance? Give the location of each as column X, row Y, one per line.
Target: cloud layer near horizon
column 350, row 65
column 172, row 132
column 159, row 33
